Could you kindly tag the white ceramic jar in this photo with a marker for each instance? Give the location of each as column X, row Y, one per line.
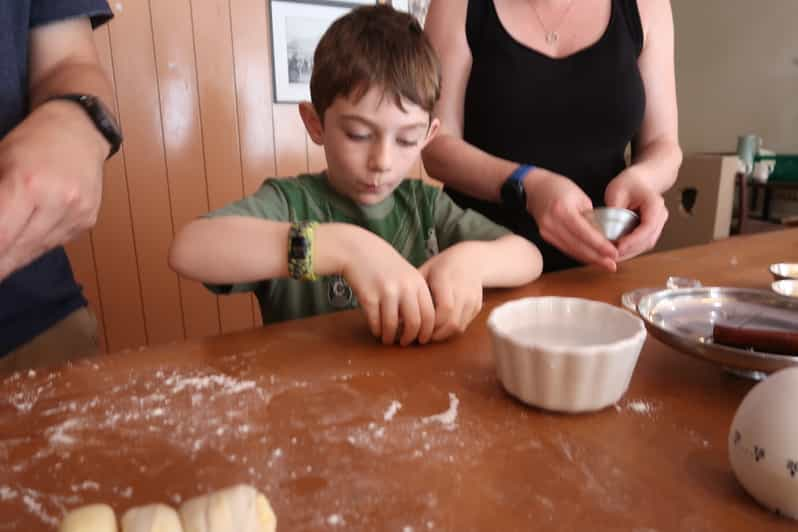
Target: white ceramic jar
column 763, row 442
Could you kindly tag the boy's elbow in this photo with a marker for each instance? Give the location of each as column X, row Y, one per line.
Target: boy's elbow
column 175, row 256
column 179, row 253
column 530, row 256
column 536, row 260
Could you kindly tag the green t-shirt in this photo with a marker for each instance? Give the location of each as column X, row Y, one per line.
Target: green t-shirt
column 418, row 220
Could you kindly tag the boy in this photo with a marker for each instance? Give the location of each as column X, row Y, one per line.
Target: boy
column 359, row 234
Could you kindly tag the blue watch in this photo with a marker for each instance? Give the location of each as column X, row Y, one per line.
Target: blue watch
column 513, row 194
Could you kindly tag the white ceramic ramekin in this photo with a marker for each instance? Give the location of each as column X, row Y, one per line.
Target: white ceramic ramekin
column 565, row 354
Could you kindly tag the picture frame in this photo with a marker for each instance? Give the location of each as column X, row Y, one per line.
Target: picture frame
column 417, row 8
column 296, row 28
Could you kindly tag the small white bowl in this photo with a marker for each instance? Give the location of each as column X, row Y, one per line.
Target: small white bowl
column 785, row 287
column 565, row 354
column 784, row 270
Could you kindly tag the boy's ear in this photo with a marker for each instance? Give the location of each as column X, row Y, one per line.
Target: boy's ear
column 312, row 122
column 432, row 130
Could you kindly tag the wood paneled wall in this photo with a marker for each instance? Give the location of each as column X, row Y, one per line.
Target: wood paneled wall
column 193, row 93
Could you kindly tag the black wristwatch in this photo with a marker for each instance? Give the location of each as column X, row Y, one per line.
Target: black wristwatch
column 513, row 194
column 101, row 117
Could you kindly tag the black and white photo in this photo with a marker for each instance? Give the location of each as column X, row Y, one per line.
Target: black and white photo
column 417, row 8
column 297, row 27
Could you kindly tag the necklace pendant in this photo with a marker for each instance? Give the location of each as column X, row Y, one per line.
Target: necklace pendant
column 552, row 37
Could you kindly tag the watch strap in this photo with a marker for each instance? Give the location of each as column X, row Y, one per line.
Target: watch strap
column 519, row 173
column 513, row 194
column 99, row 115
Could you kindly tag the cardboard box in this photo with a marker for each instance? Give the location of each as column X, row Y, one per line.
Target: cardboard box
column 700, row 202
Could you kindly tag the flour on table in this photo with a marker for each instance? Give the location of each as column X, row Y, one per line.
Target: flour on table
column 228, row 384
column 206, row 411
column 448, row 418
column 34, row 502
column 640, row 407
column 59, row 435
column 393, row 408
column 35, row 507
column 88, row 485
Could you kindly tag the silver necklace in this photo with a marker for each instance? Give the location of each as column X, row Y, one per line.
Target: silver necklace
column 551, row 36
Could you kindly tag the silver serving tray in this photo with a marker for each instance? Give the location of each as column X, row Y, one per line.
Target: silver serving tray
column 684, row 319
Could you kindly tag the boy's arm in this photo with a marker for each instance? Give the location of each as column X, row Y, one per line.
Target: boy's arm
column 457, row 276
column 241, row 249
column 507, row 261
column 477, row 254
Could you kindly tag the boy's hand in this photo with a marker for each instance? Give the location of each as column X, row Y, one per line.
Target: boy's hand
column 456, row 286
column 391, row 292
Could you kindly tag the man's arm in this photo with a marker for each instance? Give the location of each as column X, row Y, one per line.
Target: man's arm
column 63, row 59
column 656, row 155
column 51, row 163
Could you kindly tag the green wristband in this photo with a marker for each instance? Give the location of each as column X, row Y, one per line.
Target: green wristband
column 300, row 251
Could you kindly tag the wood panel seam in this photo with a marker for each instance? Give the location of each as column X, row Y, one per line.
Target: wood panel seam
column 123, row 165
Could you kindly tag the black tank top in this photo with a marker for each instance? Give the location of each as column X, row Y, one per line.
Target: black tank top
column 573, row 115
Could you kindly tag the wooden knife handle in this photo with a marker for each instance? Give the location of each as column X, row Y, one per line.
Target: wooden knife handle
column 764, row 340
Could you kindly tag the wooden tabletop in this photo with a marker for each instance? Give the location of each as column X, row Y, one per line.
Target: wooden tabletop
column 342, row 433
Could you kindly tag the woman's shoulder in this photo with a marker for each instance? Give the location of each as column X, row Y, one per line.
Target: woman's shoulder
column 655, row 16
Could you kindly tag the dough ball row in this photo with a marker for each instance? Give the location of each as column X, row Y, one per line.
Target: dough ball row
column 236, row 509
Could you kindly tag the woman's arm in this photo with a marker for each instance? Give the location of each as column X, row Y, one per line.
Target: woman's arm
column 656, row 151
column 656, row 155
column 448, row 157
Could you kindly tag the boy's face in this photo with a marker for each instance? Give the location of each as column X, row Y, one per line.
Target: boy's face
column 371, row 145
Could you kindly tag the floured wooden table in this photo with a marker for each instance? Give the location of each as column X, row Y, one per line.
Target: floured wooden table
column 342, row 433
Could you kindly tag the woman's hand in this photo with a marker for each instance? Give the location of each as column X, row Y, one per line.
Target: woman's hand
column 630, row 190
column 557, row 204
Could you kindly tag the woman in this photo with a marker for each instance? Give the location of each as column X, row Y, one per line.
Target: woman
column 540, row 99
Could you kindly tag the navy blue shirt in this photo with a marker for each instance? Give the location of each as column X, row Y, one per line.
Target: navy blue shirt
column 39, row 295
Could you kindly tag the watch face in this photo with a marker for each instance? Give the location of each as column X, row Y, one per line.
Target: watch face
column 299, row 247
column 513, row 194
column 106, row 116
column 103, row 119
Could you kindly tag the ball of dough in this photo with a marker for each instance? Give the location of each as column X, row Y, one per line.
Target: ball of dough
column 151, row 518
column 90, row 518
column 240, row 508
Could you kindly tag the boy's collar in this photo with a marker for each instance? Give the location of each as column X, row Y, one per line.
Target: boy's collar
column 356, row 210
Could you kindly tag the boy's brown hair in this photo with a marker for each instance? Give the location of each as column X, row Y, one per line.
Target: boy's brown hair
column 371, row 46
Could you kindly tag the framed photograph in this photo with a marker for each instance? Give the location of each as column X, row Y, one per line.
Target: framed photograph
column 297, row 27
column 417, row 8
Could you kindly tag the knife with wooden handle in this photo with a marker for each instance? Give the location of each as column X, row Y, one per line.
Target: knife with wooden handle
column 764, row 340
